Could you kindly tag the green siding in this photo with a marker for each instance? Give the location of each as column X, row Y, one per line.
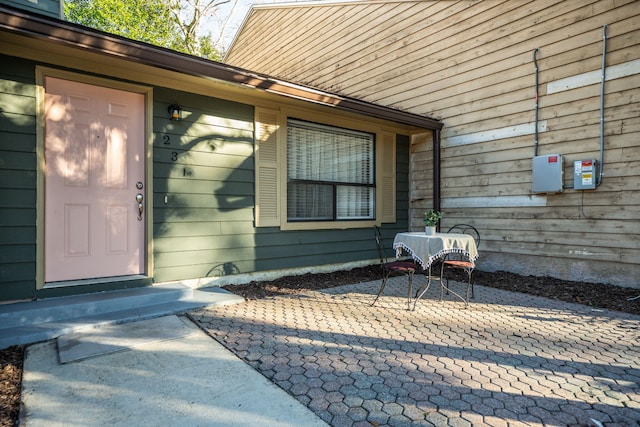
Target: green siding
column 17, row 179
column 203, row 179
column 17, row 217
column 203, row 200
column 45, row 7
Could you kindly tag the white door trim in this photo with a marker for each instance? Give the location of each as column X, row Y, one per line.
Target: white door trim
column 147, row 91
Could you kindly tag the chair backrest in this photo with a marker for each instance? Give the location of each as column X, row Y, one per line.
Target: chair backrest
column 466, row 229
column 379, row 244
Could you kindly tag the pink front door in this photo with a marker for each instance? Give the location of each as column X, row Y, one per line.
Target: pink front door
column 94, row 166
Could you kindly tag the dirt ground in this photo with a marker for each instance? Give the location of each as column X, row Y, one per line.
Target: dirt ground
column 594, row 295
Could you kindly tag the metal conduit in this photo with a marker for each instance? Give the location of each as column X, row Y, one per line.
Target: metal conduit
column 436, row 173
column 603, row 77
column 535, row 63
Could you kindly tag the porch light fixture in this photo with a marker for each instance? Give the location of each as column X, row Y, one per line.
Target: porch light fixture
column 175, row 112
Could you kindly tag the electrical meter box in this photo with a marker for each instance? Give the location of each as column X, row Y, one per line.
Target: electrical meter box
column 584, row 174
column 547, row 173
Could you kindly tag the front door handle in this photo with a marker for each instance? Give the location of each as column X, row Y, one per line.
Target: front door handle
column 139, row 199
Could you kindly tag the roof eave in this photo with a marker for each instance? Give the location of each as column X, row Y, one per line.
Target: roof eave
column 65, row 33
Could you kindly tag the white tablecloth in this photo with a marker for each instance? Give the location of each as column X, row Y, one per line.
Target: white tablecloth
column 425, row 249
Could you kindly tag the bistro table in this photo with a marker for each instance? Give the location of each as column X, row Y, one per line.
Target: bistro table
column 425, row 249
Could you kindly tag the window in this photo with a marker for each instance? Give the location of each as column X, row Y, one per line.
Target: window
column 330, row 173
column 336, row 175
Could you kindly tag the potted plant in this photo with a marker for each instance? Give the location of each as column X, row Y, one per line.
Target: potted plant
column 431, row 218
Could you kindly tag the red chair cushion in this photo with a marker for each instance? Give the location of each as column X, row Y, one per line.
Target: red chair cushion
column 399, row 266
column 463, row 264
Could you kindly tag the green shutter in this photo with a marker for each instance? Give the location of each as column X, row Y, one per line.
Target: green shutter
column 267, row 178
column 388, row 177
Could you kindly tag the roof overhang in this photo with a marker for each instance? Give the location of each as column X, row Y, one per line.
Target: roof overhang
column 72, row 35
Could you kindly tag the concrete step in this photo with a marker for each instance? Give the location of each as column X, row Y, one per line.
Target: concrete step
column 52, row 309
column 30, row 322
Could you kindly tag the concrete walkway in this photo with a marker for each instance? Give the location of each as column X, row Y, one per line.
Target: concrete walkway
column 508, row 360
column 157, row 372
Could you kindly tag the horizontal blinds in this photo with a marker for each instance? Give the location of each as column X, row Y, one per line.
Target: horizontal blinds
column 321, row 153
column 331, row 173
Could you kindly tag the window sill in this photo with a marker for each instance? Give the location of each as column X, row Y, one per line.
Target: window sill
column 327, row 225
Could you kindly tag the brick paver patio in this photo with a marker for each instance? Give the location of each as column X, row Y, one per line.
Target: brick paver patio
column 509, row 359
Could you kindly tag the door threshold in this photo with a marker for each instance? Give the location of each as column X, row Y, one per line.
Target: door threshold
column 85, row 282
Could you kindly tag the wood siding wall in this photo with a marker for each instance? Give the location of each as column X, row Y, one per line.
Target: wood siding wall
column 421, row 178
column 17, row 180
column 470, row 64
column 45, row 7
column 203, row 186
column 203, row 194
column 204, row 197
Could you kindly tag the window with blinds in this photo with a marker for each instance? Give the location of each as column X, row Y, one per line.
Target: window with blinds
column 330, row 173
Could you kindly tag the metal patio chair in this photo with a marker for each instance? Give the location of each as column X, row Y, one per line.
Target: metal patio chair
column 460, row 261
column 390, row 268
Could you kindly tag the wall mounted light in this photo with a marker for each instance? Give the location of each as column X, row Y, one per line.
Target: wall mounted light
column 175, row 112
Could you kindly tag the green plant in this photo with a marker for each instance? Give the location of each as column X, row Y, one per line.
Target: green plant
column 431, row 217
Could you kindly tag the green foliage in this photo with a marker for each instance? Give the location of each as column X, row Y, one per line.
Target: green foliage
column 155, row 22
column 207, row 48
column 148, row 21
column 431, row 217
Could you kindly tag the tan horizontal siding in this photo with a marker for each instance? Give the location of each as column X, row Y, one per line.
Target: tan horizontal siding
column 456, row 57
column 365, row 27
column 470, row 63
column 595, row 225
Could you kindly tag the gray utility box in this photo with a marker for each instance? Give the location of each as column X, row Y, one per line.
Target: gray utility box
column 547, row 173
column 584, row 174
